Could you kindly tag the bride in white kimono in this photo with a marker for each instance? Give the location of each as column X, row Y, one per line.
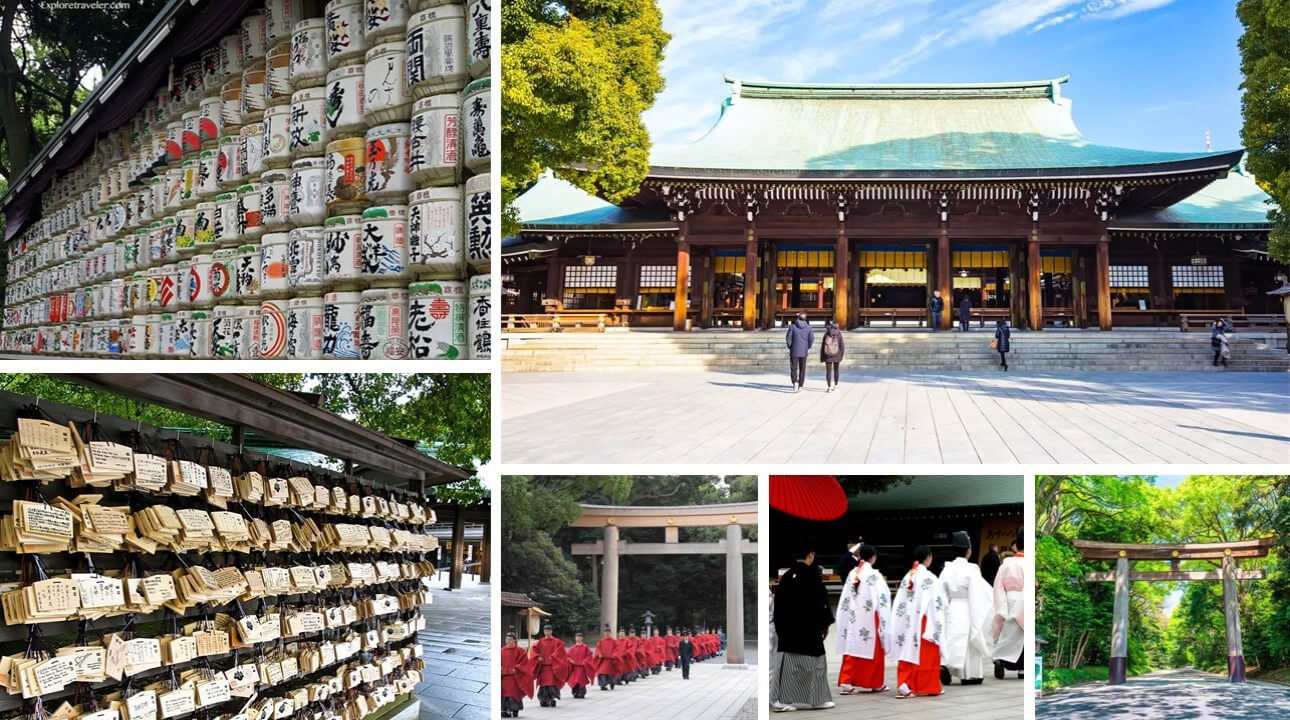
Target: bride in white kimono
column 967, row 648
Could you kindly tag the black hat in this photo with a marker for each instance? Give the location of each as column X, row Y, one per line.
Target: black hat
column 607, row 628
column 578, row 634
column 546, row 626
column 961, row 540
column 510, row 633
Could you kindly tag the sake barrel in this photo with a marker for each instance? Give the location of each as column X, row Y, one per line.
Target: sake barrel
column 204, row 234
column 475, row 116
column 277, row 136
column 275, row 190
column 343, row 256
column 275, row 278
column 346, row 41
column 305, row 328
column 479, row 26
column 226, row 220
column 211, row 70
column 385, row 19
column 308, row 53
column 166, row 336
column 383, row 315
column 308, row 136
column 174, row 141
column 119, row 345
column 273, row 329
column 344, row 109
column 152, row 340
column 254, row 94
column 194, row 86
column 210, row 119
column 248, row 212
column 165, row 232
column 437, row 320
column 307, row 197
column 207, row 175
column 190, row 170
column 388, row 179
column 479, row 223
column 437, row 50
column 341, row 325
column 305, row 260
column 155, row 276
column 251, row 150
column 253, row 47
column 231, row 105
column 185, row 232
column 247, row 272
column 230, row 56
column 435, row 152
column 228, row 167
column 181, row 272
column 183, row 335
column 201, row 334
column 173, row 190
column 280, row 16
column 226, row 340
column 479, row 323
column 223, row 274
column 385, row 81
column 384, row 238
column 137, row 334
column 277, row 66
column 346, row 176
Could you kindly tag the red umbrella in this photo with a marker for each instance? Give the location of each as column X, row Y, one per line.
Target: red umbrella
column 813, row 497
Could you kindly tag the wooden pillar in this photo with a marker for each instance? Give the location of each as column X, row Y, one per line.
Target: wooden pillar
column 841, row 264
column 682, row 278
column 1232, row 283
column 458, row 548
column 1017, row 286
column 1079, row 290
column 855, row 291
column 944, row 266
column 1034, row 265
column 750, row 277
column 1120, row 624
column 770, row 278
column 1164, row 275
column 1104, row 282
column 706, row 277
column 555, row 281
column 595, row 573
column 485, row 552
column 1232, row 616
column 628, row 277
column 735, row 594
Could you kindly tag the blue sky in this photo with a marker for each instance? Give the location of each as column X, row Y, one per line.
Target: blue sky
column 1147, row 74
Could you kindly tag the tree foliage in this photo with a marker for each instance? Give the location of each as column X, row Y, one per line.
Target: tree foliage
column 1265, row 63
column 576, row 76
column 1075, row 616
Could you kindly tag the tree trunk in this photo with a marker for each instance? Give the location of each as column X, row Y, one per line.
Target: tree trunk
column 1078, row 660
column 16, row 126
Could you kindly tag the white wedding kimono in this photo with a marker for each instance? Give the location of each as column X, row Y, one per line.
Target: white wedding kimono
column 1010, row 610
column 967, row 646
column 863, row 594
column 919, row 596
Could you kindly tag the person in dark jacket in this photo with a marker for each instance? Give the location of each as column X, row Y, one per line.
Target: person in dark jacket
column 848, row 562
column 831, row 350
column 799, row 340
column 802, row 619
column 990, row 564
column 965, row 312
column 938, row 309
column 685, row 652
column 1218, row 340
column 1002, row 339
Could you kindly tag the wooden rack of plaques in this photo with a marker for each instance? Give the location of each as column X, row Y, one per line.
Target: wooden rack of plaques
column 173, row 584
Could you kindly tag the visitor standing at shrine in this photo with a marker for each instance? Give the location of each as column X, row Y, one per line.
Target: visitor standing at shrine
column 965, row 312
column 1003, row 342
column 864, row 613
column 937, row 306
column 918, row 628
column 966, row 648
column 517, row 677
column 831, row 350
column 1010, row 610
column 685, row 651
column 550, row 666
column 800, row 337
column 802, row 619
column 582, row 667
column 607, row 671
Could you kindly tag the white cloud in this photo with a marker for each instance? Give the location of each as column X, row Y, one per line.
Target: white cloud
column 1054, row 20
column 1114, row 9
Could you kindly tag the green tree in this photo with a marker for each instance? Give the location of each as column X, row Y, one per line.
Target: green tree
column 576, row 76
column 1265, row 62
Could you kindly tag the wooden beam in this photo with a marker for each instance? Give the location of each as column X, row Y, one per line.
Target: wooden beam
column 1093, row 550
column 747, row 547
column 667, row 516
column 1172, row 575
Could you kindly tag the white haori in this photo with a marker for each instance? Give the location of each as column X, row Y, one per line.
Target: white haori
column 1010, row 610
column 864, row 593
column 967, row 644
column 920, row 595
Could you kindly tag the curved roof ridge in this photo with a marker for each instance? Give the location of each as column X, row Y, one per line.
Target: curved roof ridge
column 1026, row 88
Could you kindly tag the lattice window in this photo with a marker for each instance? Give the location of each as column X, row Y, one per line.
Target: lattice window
column 1198, row 276
column 591, row 276
column 658, row 276
column 1129, row 276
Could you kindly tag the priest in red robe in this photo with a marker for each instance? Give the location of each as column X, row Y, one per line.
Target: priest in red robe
column 656, row 650
column 582, row 667
column 641, row 648
column 517, row 677
column 671, row 641
column 550, row 666
column 607, row 660
column 626, row 658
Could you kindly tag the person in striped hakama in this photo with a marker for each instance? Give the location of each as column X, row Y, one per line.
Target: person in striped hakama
column 918, row 628
column 802, row 619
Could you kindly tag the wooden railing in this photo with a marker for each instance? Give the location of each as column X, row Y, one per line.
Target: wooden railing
column 1189, row 321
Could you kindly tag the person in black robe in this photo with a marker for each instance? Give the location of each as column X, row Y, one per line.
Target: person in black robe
column 686, row 652
column 802, row 619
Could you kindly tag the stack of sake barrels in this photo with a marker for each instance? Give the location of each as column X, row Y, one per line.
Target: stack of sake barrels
column 314, row 185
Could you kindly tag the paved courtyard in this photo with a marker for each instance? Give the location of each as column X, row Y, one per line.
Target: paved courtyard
column 1169, row 695
column 928, row 417
column 457, row 655
column 712, row 692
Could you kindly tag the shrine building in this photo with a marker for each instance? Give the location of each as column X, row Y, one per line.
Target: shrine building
column 856, row 202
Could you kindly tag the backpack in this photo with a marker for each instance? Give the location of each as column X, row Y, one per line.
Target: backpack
column 830, row 345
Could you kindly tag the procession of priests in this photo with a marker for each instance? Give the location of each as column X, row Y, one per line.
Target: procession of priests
column 548, row 666
column 936, row 627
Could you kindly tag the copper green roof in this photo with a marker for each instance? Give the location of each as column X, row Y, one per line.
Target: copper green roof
column 1233, row 202
column 555, row 204
column 1008, row 130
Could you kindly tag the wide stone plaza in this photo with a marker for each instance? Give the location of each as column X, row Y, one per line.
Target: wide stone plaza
column 894, row 417
column 457, row 654
column 1169, row 694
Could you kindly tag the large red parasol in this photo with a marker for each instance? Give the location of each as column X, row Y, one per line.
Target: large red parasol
column 813, row 497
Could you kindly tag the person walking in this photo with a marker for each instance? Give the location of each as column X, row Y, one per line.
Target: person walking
column 1002, row 342
column 965, row 313
column 799, row 340
column 685, row 653
column 802, row 618
column 831, row 350
column 1220, row 341
column 938, row 309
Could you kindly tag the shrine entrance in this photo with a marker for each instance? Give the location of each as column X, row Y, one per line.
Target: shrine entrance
column 1228, row 573
column 732, row 516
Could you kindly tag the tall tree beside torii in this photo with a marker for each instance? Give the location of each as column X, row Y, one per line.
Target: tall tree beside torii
column 1265, row 63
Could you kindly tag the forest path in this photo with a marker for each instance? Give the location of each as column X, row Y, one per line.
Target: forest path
column 1185, row 694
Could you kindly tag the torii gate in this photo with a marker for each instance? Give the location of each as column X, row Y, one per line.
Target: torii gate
column 671, row 519
column 1123, row 553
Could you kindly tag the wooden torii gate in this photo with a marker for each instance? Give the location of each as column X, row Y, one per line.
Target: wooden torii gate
column 672, row 518
column 1229, row 574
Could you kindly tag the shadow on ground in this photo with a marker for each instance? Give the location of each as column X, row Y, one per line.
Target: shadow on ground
column 1171, row 695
